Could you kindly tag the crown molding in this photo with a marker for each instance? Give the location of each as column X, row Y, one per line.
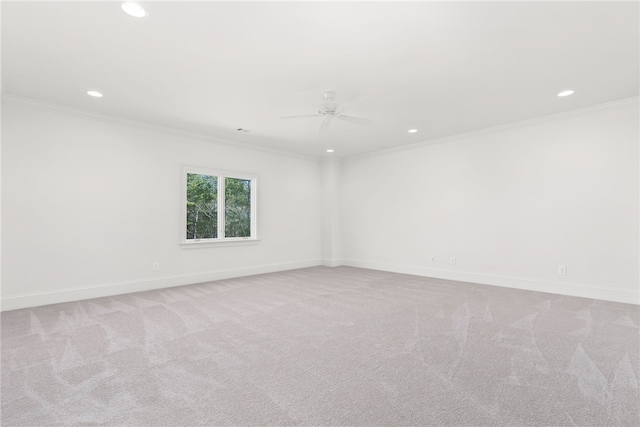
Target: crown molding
column 150, row 126
column 500, row 128
column 59, row 108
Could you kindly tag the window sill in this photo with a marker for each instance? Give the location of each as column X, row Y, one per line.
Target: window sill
column 210, row 243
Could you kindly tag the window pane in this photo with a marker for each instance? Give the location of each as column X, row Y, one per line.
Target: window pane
column 237, row 207
column 202, row 206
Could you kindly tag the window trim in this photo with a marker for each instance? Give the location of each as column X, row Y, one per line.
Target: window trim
column 221, row 174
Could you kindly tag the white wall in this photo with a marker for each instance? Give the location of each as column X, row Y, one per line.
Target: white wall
column 331, row 212
column 89, row 204
column 511, row 205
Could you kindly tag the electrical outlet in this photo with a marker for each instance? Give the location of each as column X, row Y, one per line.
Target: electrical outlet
column 562, row 269
column 433, row 259
column 155, row 266
column 452, row 260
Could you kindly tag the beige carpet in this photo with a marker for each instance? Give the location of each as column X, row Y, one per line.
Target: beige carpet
column 323, row 346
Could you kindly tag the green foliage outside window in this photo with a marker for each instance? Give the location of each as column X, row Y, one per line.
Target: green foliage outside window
column 202, row 206
column 237, row 207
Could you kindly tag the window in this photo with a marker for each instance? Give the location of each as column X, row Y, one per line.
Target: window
column 217, row 206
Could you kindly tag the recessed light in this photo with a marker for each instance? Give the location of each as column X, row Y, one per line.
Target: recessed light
column 134, row 9
column 412, row 130
column 94, row 93
column 329, row 150
column 565, row 93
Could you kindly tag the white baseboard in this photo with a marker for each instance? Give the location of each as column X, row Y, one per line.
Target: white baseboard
column 571, row 289
column 331, row 262
column 35, row 299
column 65, row 295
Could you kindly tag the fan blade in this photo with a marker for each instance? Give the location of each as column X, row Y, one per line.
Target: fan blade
column 298, row 117
column 353, row 119
column 325, row 124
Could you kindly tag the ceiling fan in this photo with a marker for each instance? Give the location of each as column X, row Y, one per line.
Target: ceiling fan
column 329, row 110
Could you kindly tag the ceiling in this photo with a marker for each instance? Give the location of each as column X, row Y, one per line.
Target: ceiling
column 443, row 68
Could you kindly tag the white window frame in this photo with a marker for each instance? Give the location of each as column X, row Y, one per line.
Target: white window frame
column 221, row 239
